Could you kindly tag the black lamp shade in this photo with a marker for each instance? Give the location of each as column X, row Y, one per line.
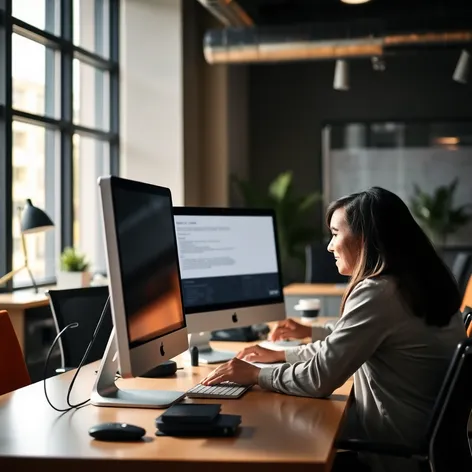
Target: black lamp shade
column 34, row 220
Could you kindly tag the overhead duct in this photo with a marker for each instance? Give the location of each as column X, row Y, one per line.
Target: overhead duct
column 249, row 45
column 229, row 12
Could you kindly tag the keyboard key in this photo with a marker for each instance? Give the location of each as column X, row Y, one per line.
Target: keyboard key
column 222, row 390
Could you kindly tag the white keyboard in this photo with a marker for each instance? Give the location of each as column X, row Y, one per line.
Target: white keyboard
column 228, row 390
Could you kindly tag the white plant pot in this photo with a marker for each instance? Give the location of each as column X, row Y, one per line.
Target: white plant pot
column 67, row 280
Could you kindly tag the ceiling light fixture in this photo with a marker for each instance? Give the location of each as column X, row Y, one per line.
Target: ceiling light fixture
column 354, row 2
column 462, row 72
column 447, row 140
column 341, row 75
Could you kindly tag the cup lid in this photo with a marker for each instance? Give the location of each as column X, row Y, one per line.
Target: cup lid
column 299, row 307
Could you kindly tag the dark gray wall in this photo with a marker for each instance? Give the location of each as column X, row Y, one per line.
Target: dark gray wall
column 288, row 104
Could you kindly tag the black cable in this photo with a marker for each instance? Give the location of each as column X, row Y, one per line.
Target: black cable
column 84, row 358
column 71, row 325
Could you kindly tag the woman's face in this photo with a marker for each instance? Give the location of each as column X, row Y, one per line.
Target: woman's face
column 344, row 245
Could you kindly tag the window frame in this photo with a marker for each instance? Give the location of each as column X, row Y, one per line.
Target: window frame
column 62, row 46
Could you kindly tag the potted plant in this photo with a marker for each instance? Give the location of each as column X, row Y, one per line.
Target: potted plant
column 73, row 271
column 294, row 229
column 436, row 214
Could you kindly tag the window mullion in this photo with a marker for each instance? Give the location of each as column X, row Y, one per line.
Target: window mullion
column 6, row 170
column 51, row 105
column 114, row 86
column 66, row 165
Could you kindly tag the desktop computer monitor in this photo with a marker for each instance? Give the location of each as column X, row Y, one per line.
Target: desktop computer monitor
column 230, row 269
column 145, row 290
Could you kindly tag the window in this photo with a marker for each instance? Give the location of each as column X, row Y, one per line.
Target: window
column 20, row 137
column 59, row 120
column 29, row 60
column 91, row 160
column 34, row 12
column 20, row 174
column 402, row 156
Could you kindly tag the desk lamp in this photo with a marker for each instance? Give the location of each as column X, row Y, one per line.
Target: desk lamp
column 33, row 220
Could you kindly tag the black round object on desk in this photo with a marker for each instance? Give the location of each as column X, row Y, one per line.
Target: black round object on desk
column 162, row 370
column 194, row 356
column 117, row 432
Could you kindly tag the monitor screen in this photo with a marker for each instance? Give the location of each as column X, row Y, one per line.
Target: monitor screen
column 228, row 258
column 148, row 262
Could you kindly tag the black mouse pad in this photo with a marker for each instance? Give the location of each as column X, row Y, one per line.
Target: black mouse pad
column 224, row 425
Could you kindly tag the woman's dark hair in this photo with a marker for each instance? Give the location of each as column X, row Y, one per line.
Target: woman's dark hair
column 394, row 244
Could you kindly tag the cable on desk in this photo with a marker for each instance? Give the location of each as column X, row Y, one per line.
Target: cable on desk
column 84, row 358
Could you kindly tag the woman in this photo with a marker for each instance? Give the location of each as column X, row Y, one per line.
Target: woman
column 400, row 324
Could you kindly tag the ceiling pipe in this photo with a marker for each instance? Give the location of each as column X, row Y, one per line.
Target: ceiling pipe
column 249, row 45
column 229, row 12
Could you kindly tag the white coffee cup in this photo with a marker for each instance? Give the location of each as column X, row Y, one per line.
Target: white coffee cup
column 310, row 307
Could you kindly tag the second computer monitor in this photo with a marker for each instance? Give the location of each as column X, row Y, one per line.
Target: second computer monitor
column 230, row 267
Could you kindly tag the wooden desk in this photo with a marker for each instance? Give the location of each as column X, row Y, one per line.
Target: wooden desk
column 316, row 290
column 17, row 303
column 278, row 432
column 330, row 296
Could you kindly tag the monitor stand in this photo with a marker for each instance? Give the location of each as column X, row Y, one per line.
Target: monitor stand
column 106, row 393
column 206, row 354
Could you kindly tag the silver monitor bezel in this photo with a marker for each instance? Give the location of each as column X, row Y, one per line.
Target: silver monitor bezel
column 140, row 359
column 227, row 317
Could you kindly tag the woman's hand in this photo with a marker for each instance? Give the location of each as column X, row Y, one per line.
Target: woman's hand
column 261, row 354
column 289, row 329
column 236, row 371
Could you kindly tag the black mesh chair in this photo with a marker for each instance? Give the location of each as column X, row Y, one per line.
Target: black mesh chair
column 320, row 266
column 467, row 316
column 447, row 440
column 462, row 268
column 84, row 306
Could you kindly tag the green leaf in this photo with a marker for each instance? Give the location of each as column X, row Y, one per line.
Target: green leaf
column 280, row 187
column 72, row 261
column 308, row 202
column 436, row 213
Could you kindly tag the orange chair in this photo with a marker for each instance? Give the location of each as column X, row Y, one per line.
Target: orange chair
column 467, row 299
column 13, row 371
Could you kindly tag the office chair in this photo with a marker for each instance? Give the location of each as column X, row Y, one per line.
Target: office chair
column 447, row 438
column 461, row 269
column 467, row 324
column 82, row 305
column 467, row 316
column 13, row 371
column 320, row 266
column 467, row 298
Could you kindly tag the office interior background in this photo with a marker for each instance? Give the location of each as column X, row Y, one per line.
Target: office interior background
column 92, row 87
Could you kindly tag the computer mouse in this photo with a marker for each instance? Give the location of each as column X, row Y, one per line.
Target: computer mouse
column 117, row 432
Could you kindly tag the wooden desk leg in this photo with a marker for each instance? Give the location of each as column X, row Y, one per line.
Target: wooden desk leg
column 17, row 317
